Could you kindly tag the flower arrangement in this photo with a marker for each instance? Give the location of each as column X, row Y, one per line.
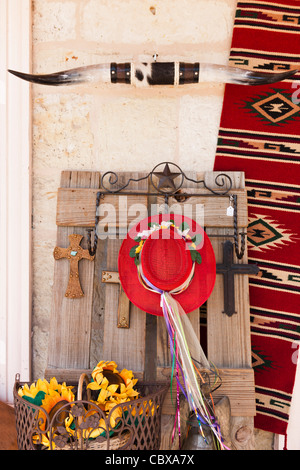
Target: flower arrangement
column 183, row 232
column 114, row 387
column 109, row 388
column 47, row 395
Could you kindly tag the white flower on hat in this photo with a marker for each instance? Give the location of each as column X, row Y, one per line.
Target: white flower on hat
column 183, row 233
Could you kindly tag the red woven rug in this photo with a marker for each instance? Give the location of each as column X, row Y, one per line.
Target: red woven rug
column 260, row 135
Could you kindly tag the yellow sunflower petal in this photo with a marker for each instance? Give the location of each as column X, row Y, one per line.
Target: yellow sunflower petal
column 104, row 383
column 93, row 386
column 53, row 383
column 111, row 366
column 98, row 377
column 102, row 396
column 113, row 388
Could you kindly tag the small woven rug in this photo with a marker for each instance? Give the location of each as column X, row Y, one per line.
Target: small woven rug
column 260, row 135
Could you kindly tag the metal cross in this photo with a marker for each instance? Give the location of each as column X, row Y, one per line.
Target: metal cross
column 229, row 269
column 74, row 253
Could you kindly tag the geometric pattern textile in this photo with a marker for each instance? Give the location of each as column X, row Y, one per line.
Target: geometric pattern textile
column 260, row 135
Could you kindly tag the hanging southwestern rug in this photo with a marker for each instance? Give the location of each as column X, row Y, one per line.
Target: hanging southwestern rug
column 260, row 135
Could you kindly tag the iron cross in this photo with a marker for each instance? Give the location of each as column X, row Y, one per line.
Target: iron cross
column 229, row 269
column 74, row 253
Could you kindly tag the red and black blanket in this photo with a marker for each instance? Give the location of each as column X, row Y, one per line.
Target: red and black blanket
column 260, row 135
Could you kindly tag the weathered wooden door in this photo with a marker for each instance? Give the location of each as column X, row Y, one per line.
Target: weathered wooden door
column 103, row 325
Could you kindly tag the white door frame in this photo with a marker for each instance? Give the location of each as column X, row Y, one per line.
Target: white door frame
column 15, row 196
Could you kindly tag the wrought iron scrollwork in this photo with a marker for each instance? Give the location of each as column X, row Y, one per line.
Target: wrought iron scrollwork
column 167, row 179
column 113, row 180
column 166, row 184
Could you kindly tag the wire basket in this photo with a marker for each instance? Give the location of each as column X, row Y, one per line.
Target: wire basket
column 83, row 425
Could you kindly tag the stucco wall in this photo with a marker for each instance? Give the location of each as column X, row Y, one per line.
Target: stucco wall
column 116, row 127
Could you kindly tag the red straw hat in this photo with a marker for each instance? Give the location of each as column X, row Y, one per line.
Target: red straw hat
column 170, row 253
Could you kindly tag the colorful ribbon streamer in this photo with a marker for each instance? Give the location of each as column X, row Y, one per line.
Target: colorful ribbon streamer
column 179, row 328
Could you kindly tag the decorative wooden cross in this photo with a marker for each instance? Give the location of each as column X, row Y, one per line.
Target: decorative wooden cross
column 124, row 303
column 229, row 269
column 74, row 253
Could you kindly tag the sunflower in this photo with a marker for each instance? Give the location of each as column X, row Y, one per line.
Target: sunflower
column 63, row 395
column 35, row 392
column 95, row 426
column 42, row 387
column 48, row 395
column 114, row 386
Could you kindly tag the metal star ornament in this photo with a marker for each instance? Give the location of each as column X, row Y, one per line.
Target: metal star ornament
column 166, row 178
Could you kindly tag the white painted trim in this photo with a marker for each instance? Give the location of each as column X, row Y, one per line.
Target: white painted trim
column 15, row 195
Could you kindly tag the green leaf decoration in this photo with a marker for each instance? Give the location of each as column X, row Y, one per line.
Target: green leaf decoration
column 184, row 226
column 153, row 224
column 137, row 260
column 196, row 256
column 197, row 238
column 132, row 251
column 137, row 239
column 37, row 400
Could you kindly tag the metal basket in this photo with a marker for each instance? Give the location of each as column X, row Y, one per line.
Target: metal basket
column 138, row 426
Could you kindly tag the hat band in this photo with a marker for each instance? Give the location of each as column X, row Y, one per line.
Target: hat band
column 149, row 286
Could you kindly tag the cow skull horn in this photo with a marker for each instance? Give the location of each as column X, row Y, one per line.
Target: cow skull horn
column 156, row 73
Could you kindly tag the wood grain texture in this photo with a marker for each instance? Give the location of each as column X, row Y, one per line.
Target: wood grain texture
column 228, row 338
column 76, row 207
column 125, row 346
column 236, row 384
column 70, row 323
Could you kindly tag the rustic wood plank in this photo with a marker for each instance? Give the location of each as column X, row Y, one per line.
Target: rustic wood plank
column 125, row 346
column 76, row 208
column 98, row 308
column 169, row 438
column 228, row 338
column 79, row 211
column 236, row 384
column 70, row 323
column 215, row 206
column 151, row 320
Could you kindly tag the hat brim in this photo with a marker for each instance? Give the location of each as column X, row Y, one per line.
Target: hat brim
column 198, row 290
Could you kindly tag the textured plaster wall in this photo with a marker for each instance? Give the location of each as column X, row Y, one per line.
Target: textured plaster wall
column 116, row 127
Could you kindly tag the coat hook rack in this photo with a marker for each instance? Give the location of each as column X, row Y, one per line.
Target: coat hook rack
column 169, row 181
